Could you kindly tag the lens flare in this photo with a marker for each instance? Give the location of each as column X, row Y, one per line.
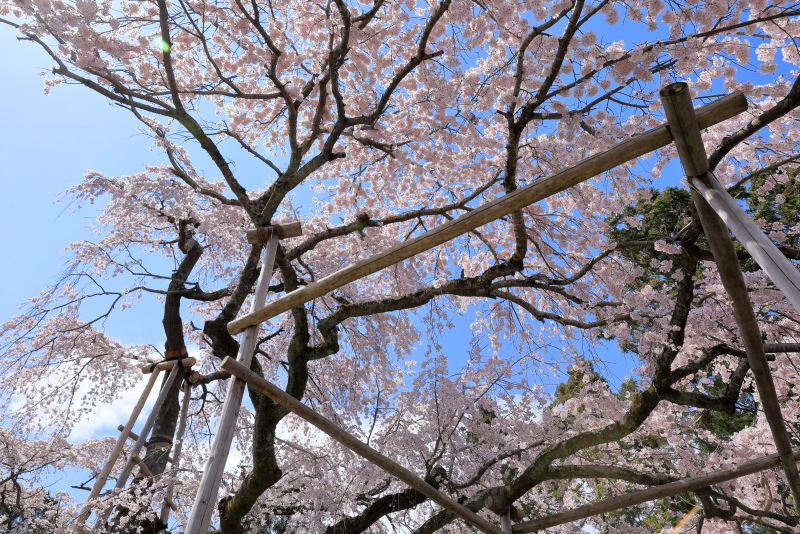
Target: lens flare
column 682, row 523
column 163, row 44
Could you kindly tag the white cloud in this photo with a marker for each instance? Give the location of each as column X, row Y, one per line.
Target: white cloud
column 105, row 419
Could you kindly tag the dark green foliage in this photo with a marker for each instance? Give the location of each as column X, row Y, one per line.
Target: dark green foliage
column 724, row 425
column 661, row 216
column 575, row 383
column 768, row 208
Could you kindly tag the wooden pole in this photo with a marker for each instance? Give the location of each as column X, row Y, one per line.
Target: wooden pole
column 283, row 231
column 133, row 436
column 686, row 132
column 650, row 494
column 761, row 248
column 168, row 364
column 176, row 454
column 632, row 148
column 102, row 477
column 505, row 522
column 205, row 500
column 355, row 445
column 143, row 469
column 122, row 479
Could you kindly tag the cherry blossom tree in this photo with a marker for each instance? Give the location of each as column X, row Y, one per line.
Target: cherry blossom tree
column 373, row 122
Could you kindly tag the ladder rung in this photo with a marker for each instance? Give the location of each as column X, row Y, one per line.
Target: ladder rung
column 133, row 437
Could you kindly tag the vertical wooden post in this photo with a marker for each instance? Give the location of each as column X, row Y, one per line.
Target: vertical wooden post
column 103, row 475
column 686, row 133
column 205, row 500
column 505, row 522
column 176, row 452
column 126, row 471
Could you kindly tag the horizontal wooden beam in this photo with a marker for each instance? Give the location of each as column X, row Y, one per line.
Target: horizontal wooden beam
column 283, row 231
column 684, row 128
column 639, row 145
column 355, row 445
column 776, row 348
column 685, row 485
column 168, row 364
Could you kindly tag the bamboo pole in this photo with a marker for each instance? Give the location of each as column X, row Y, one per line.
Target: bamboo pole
column 204, row 502
column 632, row 148
column 176, row 454
column 355, row 445
column 650, row 494
column 126, row 470
column 783, row 274
column 685, row 131
column 102, row 477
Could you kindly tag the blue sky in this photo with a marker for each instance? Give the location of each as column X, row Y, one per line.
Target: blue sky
column 46, row 144
column 49, row 142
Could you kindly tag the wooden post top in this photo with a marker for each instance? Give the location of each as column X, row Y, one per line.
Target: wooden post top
column 283, row 231
column 168, row 364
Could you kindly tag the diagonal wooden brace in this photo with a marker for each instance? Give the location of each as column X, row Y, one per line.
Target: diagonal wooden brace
column 686, row 132
column 122, row 479
column 783, row 274
column 357, row 446
column 169, row 503
column 205, row 500
column 102, row 476
column 625, row 500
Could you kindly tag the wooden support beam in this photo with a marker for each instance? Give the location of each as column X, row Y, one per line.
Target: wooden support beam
column 776, row 348
column 167, row 364
column 133, row 436
column 142, row 466
column 283, row 231
column 355, row 445
column 102, row 477
column 122, row 479
column 685, row 485
column 686, row 132
column 205, row 499
column 170, row 504
column 627, row 150
column 783, row 274
column 176, row 453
